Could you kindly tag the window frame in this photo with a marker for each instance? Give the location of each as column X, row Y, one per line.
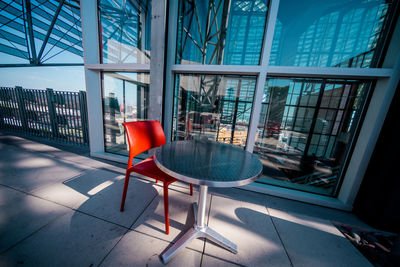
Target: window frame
column 386, row 81
column 94, row 68
column 162, row 64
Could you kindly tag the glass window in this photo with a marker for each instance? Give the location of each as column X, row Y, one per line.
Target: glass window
column 317, row 33
column 303, row 143
column 125, row 98
column 125, row 31
column 226, row 32
column 214, row 107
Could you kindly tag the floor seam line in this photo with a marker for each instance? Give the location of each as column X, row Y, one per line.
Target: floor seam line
column 279, row 236
column 141, row 213
column 65, row 206
column 205, row 240
column 132, row 230
column 109, row 252
column 34, row 232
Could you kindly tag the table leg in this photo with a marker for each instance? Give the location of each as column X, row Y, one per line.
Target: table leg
column 199, row 230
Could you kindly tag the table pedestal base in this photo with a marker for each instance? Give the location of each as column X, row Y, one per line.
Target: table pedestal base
column 199, row 230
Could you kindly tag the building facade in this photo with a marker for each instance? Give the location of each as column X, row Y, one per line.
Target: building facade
column 305, row 85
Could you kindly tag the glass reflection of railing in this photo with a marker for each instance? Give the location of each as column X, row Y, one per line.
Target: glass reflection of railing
column 362, row 60
column 319, row 179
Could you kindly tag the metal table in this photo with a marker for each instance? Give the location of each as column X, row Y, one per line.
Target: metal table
column 207, row 164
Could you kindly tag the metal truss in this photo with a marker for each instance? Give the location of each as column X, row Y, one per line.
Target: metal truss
column 209, row 40
column 205, row 32
column 37, row 31
column 123, row 26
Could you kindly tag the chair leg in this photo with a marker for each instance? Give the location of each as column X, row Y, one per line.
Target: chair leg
column 126, row 183
column 166, row 208
column 191, row 189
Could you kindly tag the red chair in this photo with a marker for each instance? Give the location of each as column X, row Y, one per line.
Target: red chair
column 142, row 136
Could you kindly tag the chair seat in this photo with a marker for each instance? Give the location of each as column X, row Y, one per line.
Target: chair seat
column 149, row 168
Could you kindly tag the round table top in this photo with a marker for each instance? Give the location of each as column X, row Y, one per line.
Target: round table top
column 208, row 163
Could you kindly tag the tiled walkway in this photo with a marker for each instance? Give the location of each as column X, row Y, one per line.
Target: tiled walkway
column 59, row 208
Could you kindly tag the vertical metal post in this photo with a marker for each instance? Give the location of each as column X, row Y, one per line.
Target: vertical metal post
column 21, row 107
column 201, row 213
column 83, row 115
column 13, row 108
column 52, row 112
column 2, row 108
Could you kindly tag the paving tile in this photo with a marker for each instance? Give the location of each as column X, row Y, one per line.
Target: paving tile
column 217, row 262
column 74, row 239
column 241, row 194
column 137, row 249
column 316, row 211
column 249, row 226
column 21, row 215
column 74, row 191
column 310, row 241
column 98, row 192
column 28, row 171
column 151, row 222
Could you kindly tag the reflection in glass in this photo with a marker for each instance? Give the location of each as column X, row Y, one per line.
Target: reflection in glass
column 125, row 31
column 213, row 107
column 305, row 130
column 125, row 98
column 342, row 33
column 226, row 32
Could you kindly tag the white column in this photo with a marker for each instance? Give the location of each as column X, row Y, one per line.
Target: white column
column 158, row 28
column 90, row 38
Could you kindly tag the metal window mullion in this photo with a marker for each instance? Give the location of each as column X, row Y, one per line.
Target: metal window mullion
column 265, row 55
column 169, row 86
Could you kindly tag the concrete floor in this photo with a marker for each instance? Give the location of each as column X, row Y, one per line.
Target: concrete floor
column 59, row 207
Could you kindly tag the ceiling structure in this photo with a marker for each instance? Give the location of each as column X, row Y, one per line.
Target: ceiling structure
column 40, row 33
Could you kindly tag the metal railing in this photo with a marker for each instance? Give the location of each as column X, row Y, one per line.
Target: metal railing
column 56, row 115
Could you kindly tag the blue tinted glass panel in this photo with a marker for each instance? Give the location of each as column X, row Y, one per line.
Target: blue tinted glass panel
column 221, row 31
column 125, row 31
column 317, row 33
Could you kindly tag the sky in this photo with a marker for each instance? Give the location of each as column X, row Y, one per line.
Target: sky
column 58, row 78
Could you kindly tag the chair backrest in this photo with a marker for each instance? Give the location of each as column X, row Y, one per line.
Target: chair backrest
column 143, row 135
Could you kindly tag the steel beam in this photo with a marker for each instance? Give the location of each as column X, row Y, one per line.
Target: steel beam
column 57, row 12
column 33, row 57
